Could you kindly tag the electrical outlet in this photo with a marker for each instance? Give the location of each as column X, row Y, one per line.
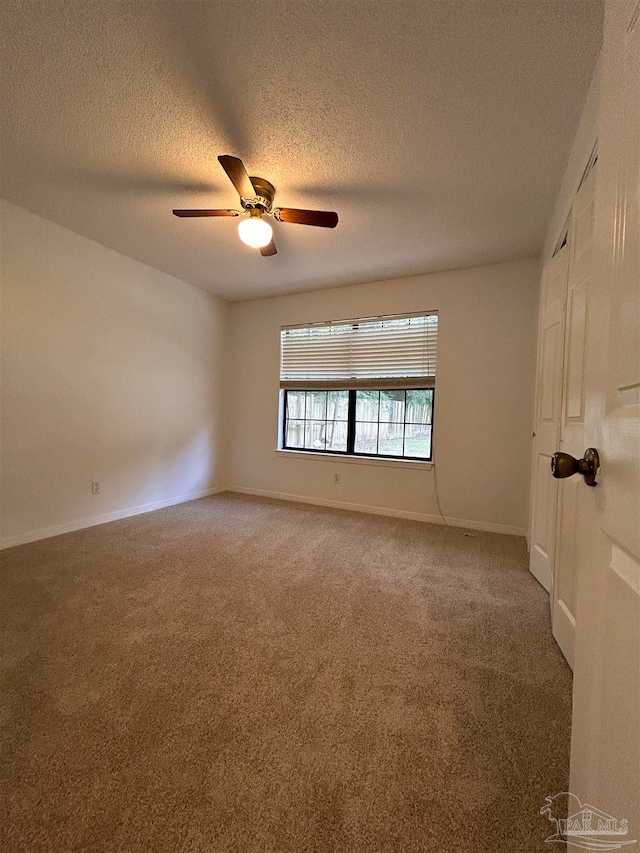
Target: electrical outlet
column 336, row 478
column 95, row 487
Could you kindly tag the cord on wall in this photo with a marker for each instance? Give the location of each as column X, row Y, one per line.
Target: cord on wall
column 437, row 497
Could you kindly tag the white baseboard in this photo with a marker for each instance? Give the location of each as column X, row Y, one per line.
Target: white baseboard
column 69, row 527
column 379, row 510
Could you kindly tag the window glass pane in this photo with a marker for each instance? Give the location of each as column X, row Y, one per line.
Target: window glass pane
column 314, row 435
column 387, row 423
column 367, row 405
column 338, row 406
column 316, row 405
column 390, row 439
column 392, row 406
column 366, row 438
column 295, row 404
column 336, row 436
column 417, row 440
column 419, row 406
column 295, row 434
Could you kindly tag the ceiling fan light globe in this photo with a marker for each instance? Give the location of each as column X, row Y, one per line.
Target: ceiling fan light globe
column 255, row 232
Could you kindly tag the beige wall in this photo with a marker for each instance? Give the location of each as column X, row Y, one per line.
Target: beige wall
column 111, row 371
column 483, row 405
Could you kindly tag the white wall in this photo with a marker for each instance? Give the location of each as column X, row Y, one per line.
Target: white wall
column 116, row 372
column 111, row 371
column 483, row 404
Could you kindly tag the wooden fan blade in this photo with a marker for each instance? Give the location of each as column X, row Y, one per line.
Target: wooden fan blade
column 269, row 250
column 323, row 218
column 237, row 174
column 226, row 212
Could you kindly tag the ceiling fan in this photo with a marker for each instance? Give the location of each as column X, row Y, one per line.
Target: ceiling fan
column 256, row 198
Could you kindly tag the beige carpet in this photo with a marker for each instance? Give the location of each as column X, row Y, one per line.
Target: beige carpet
column 241, row 675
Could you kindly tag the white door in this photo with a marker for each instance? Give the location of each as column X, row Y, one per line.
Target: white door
column 553, row 296
column 581, row 242
column 605, row 752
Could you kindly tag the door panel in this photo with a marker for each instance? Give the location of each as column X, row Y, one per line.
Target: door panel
column 582, row 227
column 605, row 750
column 544, row 515
column 551, row 377
column 564, row 598
column 581, row 242
column 576, row 327
column 567, row 554
column 553, row 294
column 621, row 429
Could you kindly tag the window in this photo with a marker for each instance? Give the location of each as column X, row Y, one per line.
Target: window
column 389, row 423
column 360, row 387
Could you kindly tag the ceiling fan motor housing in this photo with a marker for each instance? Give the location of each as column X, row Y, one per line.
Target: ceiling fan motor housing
column 265, row 193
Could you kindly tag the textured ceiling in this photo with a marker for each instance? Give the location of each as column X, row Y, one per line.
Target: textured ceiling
column 437, row 130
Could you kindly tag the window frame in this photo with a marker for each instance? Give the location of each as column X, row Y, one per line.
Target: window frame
column 350, row 452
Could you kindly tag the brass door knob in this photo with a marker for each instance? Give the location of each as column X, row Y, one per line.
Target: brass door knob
column 563, row 465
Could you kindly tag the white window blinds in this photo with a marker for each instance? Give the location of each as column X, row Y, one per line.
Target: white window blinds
column 398, row 351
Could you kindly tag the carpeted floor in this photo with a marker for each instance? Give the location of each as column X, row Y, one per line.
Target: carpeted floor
column 239, row 675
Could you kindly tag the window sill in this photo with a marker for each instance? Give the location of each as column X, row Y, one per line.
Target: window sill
column 358, row 460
